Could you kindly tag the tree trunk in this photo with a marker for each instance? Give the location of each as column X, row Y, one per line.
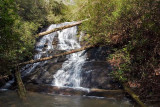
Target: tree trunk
column 20, row 85
column 60, row 28
column 55, row 56
column 134, row 96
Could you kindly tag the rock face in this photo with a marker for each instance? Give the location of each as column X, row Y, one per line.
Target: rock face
column 95, row 72
column 98, row 53
column 43, row 73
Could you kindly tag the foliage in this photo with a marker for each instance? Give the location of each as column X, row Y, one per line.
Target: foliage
column 120, row 61
column 131, row 28
column 20, row 20
column 42, row 12
column 8, row 37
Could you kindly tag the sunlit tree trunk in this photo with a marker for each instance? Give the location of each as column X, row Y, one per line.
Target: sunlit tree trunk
column 60, row 28
column 58, row 55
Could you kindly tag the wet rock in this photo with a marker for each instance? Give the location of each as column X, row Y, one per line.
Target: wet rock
column 43, row 74
column 74, row 92
column 55, row 41
column 54, row 90
column 98, row 53
column 5, row 79
column 97, row 74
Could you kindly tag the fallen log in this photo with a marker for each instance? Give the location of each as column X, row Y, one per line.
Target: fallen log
column 106, row 93
column 60, row 28
column 43, row 88
column 104, row 90
column 55, row 56
column 134, row 96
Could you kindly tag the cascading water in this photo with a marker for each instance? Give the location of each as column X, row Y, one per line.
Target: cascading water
column 39, row 48
column 67, row 71
column 70, row 73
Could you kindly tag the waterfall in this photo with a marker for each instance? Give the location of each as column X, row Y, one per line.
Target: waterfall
column 70, row 73
column 41, row 50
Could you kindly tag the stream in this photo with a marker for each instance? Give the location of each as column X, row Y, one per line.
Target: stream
column 11, row 99
column 76, row 71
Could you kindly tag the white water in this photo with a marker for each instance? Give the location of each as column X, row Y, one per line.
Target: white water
column 7, row 85
column 40, row 45
column 70, row 73
column 39, row 48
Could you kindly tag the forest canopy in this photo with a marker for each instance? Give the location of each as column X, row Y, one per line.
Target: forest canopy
column 131, row 29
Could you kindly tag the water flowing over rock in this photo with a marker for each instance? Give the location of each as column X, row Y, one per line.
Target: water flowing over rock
column 56, row 72
column 81, row 70
column 70, row 73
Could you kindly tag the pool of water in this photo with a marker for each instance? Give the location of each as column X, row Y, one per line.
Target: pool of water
column 10, row 99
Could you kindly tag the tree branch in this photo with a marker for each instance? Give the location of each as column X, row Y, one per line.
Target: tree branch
column 55, row 56
column 60, row 28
